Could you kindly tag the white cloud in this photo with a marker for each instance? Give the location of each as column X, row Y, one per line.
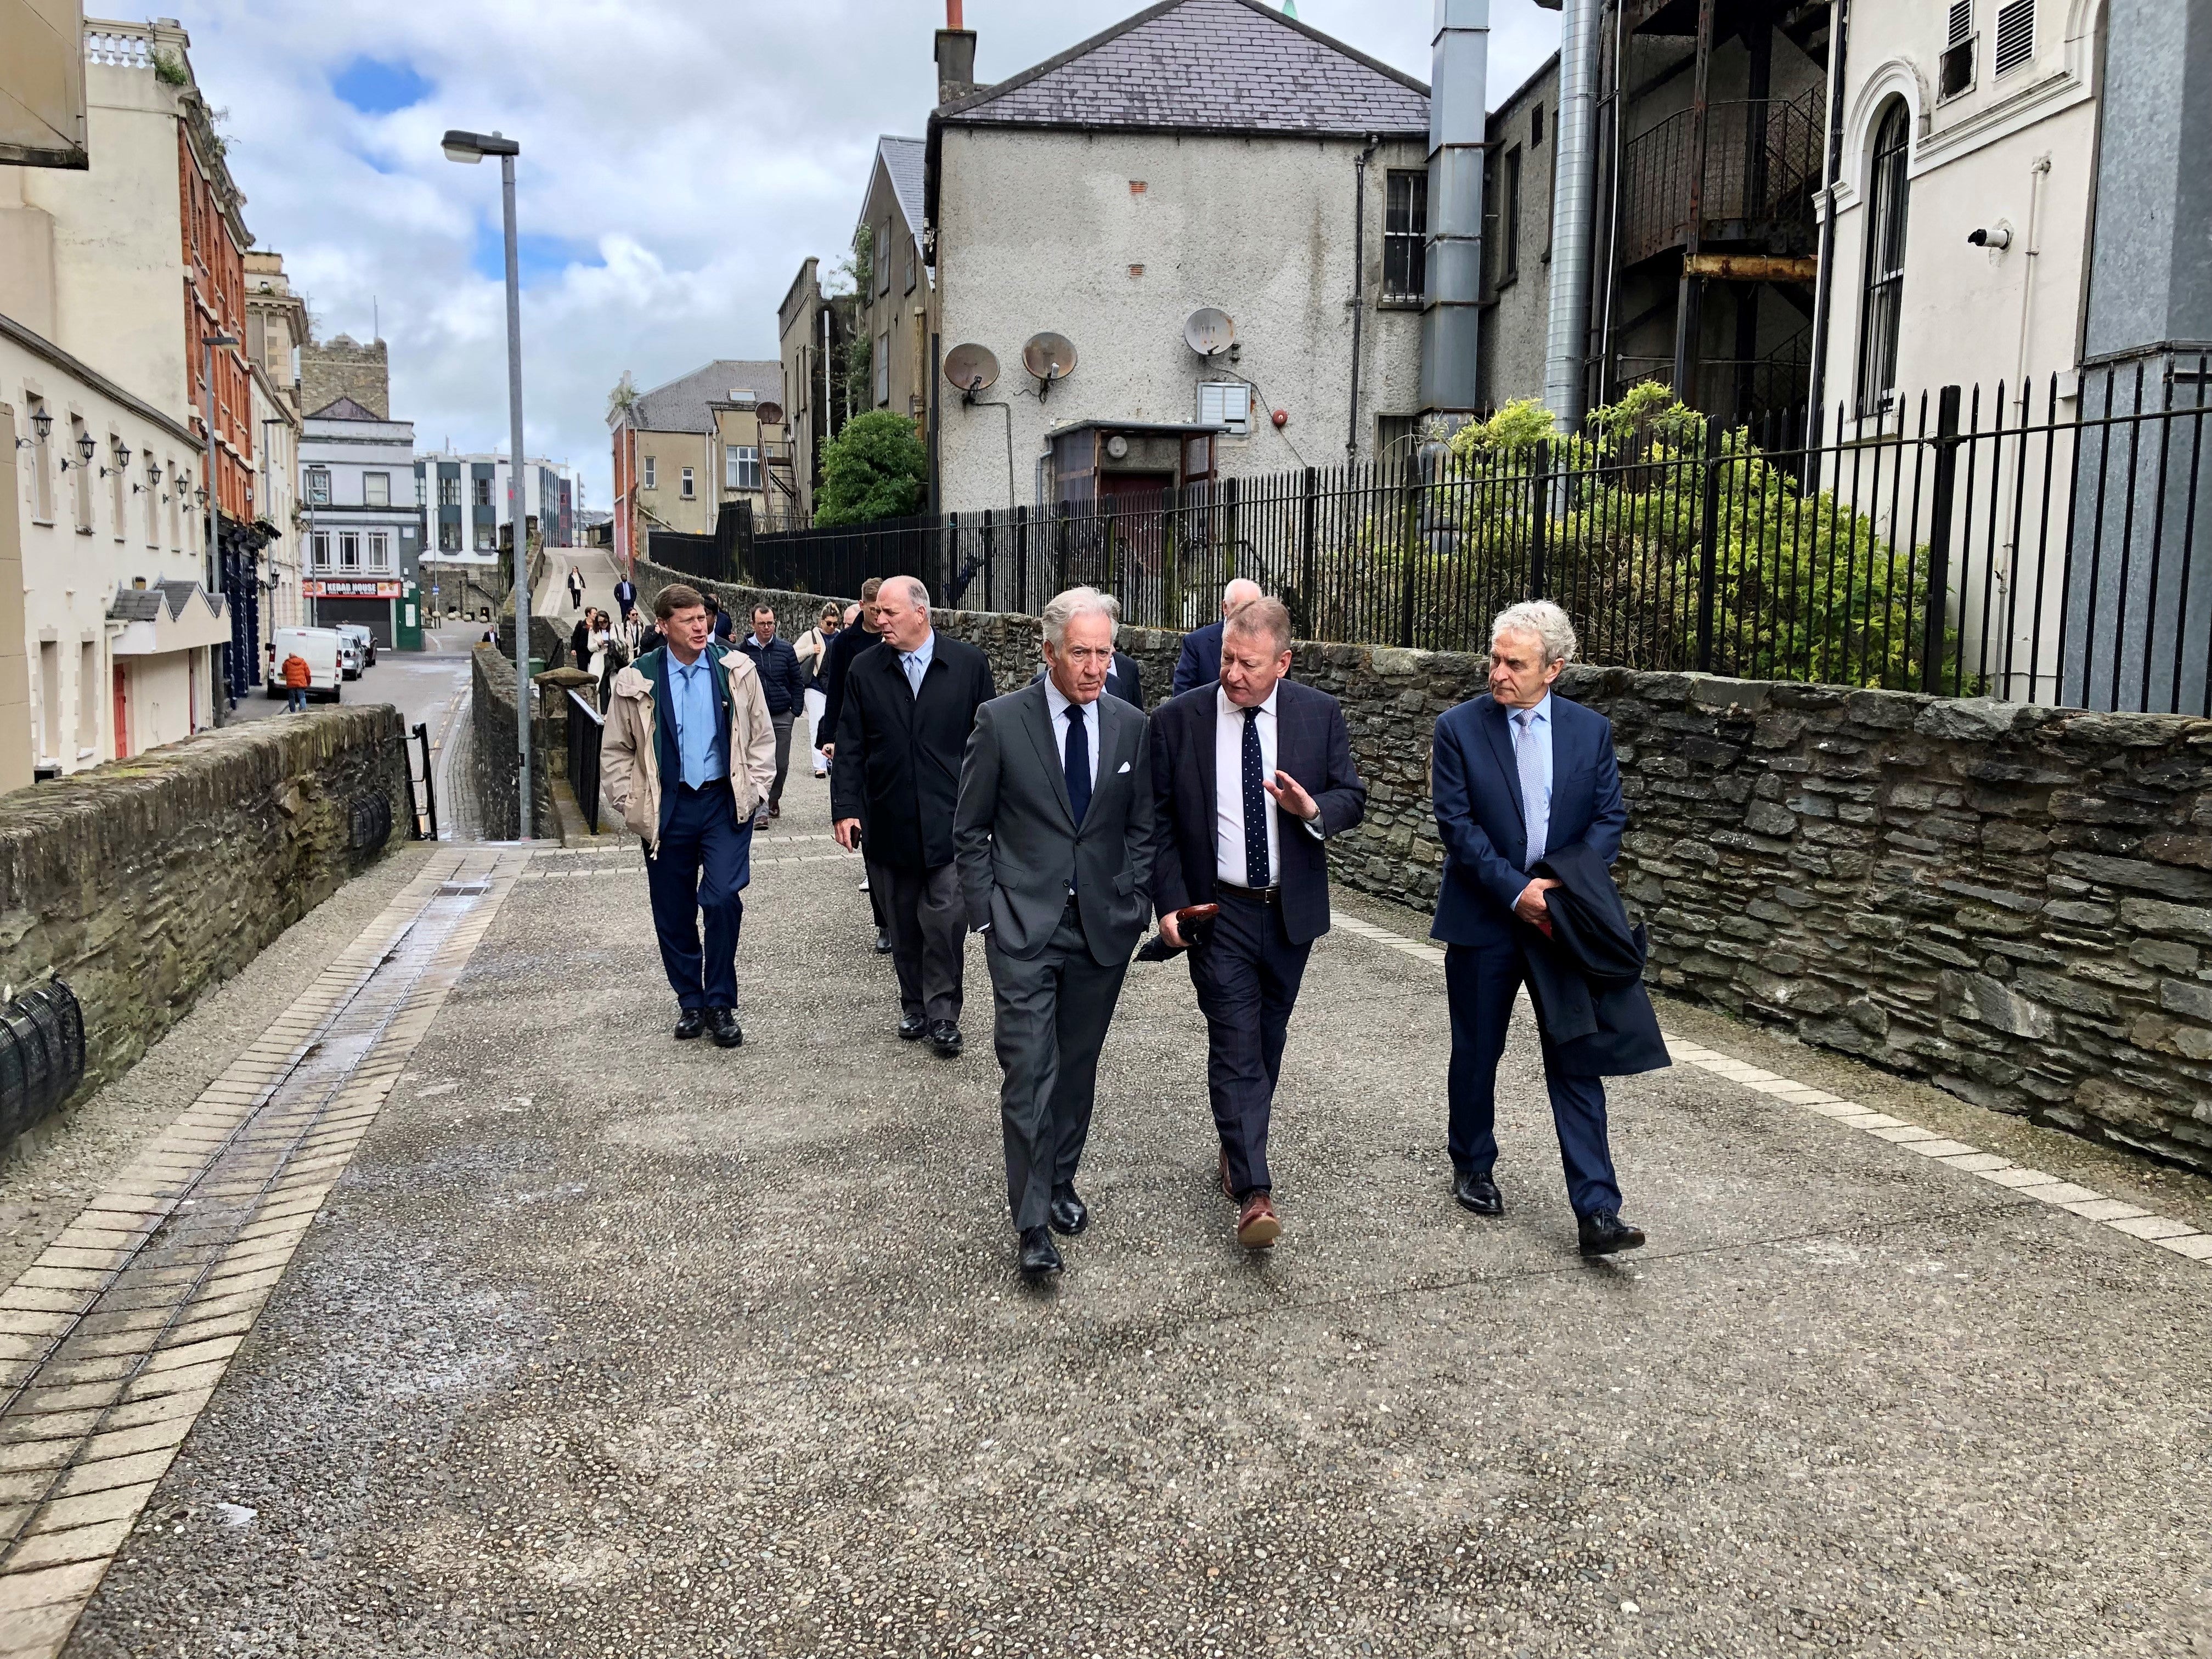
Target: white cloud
column 685, row 154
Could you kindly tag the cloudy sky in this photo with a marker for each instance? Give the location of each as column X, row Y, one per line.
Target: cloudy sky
column 679, row 159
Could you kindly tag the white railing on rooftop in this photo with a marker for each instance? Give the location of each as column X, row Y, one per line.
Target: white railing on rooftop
column 119, row 45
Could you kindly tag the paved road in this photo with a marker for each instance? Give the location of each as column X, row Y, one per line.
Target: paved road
column 606, row 1345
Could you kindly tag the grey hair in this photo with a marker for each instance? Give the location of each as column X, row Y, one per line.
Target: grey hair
column 916, row 594
column 1554, row 632
column 1065, row 608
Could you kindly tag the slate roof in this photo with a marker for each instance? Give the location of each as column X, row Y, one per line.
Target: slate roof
column 1204, row 65
column 147, row 603
column 344, row 409
column 904, row 159
column 680, row 405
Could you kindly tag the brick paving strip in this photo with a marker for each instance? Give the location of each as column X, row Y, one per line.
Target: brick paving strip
column 116, row 1337
column 2119, row 1215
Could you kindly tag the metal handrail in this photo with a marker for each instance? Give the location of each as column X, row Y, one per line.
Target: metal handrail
column 585, row 726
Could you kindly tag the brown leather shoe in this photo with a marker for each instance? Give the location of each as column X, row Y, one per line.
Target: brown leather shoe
column 1256, row 1226
column 1227, row 1191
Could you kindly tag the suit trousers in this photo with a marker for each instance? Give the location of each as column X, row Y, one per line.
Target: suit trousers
column 929, row 939
column 1247, row 976
column 782, row 724
column 700, row 870
column 1479, row 981
column 1050, row 1016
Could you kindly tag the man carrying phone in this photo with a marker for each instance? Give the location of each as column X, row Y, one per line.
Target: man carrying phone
column 1250, row 776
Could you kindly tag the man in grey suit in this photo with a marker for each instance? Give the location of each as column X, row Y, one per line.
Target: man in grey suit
column 1054, row 836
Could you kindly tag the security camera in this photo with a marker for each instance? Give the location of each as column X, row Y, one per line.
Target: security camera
column 1999, row 238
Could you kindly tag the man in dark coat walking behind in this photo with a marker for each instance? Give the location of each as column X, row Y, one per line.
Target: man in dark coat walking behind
column 908, row 710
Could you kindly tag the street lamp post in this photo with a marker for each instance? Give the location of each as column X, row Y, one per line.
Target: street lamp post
column 473, row 147
column 207, row 344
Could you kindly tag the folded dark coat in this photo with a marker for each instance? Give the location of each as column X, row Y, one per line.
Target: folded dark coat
column 1587, row 979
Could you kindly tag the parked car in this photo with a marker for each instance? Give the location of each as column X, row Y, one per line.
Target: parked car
column 350, row 662
column 322, row 650
column 366, row 637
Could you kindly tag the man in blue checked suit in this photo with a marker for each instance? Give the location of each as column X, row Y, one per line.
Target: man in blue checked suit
column 1517, row 775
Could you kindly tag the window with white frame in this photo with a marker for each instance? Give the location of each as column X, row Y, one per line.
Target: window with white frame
column 150, row 488
column 449, row 490
column 379, row 551
column 689, row 489
column 117, row 485
column 348, row 550
column 73, row 458
column 652, row 473
column 322, row 542
column 318, row 486
column 42, row 484
column 1225, row 403
column 1405, row 233
column 376, row 489
column 741, row 467
column 1882, row 299
column 487, row 536
column 484, row 490
column 884, row 368
column 1955, row 68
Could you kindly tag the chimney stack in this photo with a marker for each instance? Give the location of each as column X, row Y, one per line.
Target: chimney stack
column 956, row 56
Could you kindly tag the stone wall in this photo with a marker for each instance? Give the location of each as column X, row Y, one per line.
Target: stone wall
column 495, row 758
column 2013, row 903
column 146, row 880
column 342, row 367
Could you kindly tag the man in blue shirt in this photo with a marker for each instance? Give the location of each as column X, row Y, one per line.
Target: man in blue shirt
column 686, row 756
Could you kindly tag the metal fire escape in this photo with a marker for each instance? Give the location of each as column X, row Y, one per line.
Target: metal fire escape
column 1716, row 198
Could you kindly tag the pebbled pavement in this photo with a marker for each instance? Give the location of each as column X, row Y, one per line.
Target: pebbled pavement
column 610, row 1346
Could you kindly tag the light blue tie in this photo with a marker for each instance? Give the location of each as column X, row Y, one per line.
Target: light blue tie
column 913, row 660
column 1535, row 798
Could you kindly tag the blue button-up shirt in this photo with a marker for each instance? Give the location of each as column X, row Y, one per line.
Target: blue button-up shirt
column 916, row 661
column 691, row 697
column 1532, row 756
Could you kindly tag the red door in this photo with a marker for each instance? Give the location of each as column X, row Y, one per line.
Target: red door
column 122, row 714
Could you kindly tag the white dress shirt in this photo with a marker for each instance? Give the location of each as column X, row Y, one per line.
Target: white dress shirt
column 1060, row 705
column 1229, row 791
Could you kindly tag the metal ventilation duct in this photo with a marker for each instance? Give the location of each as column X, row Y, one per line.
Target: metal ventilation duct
column 1574, row 206
column 1458, row 109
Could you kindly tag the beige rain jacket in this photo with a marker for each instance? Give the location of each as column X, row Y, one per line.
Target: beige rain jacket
column 630, row 759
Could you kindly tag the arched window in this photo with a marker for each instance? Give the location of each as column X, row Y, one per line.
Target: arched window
column 1879, row 306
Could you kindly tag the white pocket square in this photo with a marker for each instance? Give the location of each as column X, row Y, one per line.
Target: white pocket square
column 1125, row 767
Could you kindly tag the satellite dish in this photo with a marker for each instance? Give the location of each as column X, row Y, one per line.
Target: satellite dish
column 972, row 368
column 1048, row 357
column 770, row 414
column 1208, row 331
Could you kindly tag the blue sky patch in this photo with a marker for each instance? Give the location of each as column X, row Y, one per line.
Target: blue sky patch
column 540, row 255
column 375, row 87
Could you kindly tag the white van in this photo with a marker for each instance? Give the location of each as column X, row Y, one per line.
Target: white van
column 320, row 647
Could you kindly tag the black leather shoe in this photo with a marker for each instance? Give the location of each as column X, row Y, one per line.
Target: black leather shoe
column 1476, row 1191
column 690, row 1022
column 883, row 941
column 913, row 1028
column 1605, row 1233
column 1070, row 1214
column 723, row 1023
column 1040, row 1256
column 944, row 1037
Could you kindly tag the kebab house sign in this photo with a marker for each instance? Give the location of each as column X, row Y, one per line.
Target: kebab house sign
column 349, row 588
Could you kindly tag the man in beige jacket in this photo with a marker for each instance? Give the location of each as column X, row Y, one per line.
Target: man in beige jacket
column 687, row 755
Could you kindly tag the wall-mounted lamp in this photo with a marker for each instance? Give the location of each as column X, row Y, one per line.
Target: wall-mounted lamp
column 42, row 424
column 152, row 471
column 122, row 454
column 200, row 496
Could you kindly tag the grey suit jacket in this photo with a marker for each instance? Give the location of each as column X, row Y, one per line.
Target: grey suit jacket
column 1015, row 836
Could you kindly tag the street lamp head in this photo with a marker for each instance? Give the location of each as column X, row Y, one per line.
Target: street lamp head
column 42, row 424
column 88, row 446
column 473, row 147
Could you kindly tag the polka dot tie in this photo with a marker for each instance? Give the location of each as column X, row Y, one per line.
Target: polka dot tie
column 1256, row 874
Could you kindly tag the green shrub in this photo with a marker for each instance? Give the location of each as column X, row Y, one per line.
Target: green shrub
column 874, row 469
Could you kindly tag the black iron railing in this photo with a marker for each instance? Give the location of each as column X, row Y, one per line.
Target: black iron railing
column 1763, row 161
column 585, row 727
column 2048, row 547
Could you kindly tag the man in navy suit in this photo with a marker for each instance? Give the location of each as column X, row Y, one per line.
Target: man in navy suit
column 1200, row 661
column 1252, row 774
column 1517, row 774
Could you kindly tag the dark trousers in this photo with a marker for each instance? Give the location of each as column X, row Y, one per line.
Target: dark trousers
column 1247, row 977
column 1050, row 1014
column 782, row 725
column 929, row 939
column 1481, row 980
column 700, row 870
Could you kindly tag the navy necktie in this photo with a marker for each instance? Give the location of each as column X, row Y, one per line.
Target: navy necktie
column 1255, row 806
column 1078, row 761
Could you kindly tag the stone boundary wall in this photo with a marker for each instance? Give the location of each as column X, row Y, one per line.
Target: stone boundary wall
column 146, row 880
column 2012, row 902
column 495, row 768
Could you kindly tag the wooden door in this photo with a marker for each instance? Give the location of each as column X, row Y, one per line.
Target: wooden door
column 122, row 714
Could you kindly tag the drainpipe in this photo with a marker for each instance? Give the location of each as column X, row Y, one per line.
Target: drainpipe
column 1574, row 180
column 1458, row 111
column 1359, row 281
column 1823, row 292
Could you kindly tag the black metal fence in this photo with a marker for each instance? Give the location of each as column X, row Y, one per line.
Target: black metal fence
column 2039, row 546
column 585, row 727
